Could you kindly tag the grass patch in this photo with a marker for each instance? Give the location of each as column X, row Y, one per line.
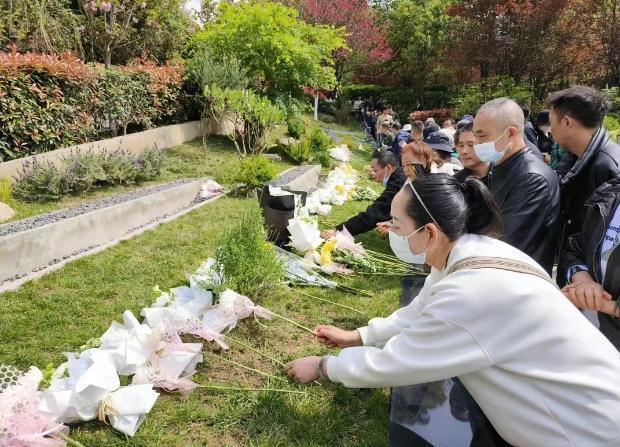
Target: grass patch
column 62, row 310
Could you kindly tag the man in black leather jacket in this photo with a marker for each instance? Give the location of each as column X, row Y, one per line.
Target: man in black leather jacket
column 590, row 262
column 384, row 169
column 526, row 189
column 577, row 115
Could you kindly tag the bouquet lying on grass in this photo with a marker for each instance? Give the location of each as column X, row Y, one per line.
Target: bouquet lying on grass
column 341, row 254
column 113, row 378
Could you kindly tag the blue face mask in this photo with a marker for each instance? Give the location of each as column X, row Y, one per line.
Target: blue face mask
column 487, row 152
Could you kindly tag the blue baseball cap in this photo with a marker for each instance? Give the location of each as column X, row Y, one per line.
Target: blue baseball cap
column 439, row 141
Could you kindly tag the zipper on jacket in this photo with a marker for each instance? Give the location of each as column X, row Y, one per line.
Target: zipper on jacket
column 600, row 210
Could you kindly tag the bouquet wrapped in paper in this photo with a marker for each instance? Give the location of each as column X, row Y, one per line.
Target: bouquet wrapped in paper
column 129, row 344
column 231, row 308
column 22, row 423
column 210, row 189
column 76, row 394
column 127, row 407
column 340, row 153
column 169, row 319
column 305, row 235
column 171, row 366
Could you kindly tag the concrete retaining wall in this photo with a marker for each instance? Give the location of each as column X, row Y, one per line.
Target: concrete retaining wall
column 299, row 178
column 163, row 137
column 31, row 250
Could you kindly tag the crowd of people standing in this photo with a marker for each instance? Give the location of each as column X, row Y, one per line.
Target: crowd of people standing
column 494, row 207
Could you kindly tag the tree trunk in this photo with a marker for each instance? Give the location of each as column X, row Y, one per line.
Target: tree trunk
column 107, row 59
column 316, row 106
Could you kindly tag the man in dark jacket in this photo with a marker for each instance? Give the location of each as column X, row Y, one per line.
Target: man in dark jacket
column 526, row 189
column 528, row 129
column 383, row 169
column 590, row 261
column 577, row 115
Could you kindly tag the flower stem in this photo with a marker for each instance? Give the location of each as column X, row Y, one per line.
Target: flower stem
column 288, row 320
column 245, row 345
column 69, row 440
column 242, row 366
column 328, row 301
column 228, row 388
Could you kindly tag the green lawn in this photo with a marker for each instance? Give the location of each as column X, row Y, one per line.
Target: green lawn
column 62, row 310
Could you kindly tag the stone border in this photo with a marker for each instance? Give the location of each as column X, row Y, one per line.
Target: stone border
column 32, row 253
column 300, row 178
column 135, row 143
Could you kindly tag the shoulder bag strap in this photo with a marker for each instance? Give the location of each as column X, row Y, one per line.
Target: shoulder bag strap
column 482, row 262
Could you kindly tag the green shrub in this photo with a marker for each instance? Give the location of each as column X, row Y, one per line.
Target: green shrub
column 296, row 126
column 6, row 195
column 612, row 124
column 254, row 117
column 248, row 261
column 121, row 168
column 150, row 163
column 300, row 152
column 39, row 181
column 320, row 144
column 53, row 101
column 255, row 171
column 474, row 95
column 83, row 171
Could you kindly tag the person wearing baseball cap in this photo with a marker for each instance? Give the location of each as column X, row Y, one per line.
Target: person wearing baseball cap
column 440, row 143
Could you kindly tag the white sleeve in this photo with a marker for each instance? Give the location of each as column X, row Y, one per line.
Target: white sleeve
column 430, row 349
column 380, row 330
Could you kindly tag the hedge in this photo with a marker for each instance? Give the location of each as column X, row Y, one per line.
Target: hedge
column 52, row 101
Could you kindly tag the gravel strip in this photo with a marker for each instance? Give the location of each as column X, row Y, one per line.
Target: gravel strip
column 291, row 175
column 195, row 202
column 56, row 216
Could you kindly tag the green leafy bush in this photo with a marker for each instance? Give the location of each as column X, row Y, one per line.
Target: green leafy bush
column 320, row 144
column 300, row 152
column 53, row 101
column 39, row 181
column 248, row 261
column 612, row 124
column 150, row 163
column 253, row 117
column 255, row 171
column 296, row 126
column 42, row 181
column 6, row 195
column 84, row 171
column 473, row 96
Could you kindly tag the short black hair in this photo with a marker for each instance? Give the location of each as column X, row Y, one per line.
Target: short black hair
column 384, row 158
column 585, row 104
column 396, row 125
column 468, row 126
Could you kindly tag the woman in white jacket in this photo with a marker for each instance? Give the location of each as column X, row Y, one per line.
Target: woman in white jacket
column 488, row 314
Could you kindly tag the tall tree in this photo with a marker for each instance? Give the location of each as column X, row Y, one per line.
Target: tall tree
column 281, row 53
column 417, row 30
column 367, row 51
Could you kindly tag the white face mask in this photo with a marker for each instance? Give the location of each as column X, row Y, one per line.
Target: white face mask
column 487, row 152
column 400, row 247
